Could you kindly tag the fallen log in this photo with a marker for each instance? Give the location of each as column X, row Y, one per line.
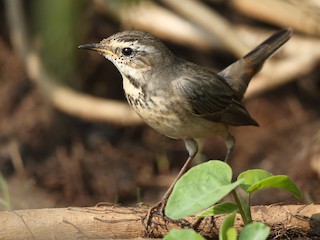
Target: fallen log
column 113, row 222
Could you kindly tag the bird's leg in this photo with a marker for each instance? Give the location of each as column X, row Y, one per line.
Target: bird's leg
column 192, row 147
column 230, row 142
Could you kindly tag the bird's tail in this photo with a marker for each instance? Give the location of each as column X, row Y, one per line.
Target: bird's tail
column 239, row 74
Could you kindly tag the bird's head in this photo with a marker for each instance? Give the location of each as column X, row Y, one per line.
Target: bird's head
column 133, row 52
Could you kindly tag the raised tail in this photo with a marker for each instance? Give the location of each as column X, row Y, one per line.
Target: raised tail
column 239, row 73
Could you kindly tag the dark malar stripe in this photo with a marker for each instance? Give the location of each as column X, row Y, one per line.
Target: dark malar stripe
column 133, row 81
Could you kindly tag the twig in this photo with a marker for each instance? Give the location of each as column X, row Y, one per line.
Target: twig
column 302, row 16
column 212, row 22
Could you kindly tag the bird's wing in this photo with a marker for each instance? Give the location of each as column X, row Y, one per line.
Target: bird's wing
column 209, row 96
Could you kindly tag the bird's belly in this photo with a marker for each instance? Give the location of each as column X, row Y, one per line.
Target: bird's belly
column 174, row 126
column 166, row 114
column 171, row 120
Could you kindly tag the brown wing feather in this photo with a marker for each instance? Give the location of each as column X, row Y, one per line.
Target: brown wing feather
column 210, row 97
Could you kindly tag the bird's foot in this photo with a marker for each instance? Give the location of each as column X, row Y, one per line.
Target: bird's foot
column 156, row 219
column 156, row 211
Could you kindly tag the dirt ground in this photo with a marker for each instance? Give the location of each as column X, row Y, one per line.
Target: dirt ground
column 50, row 159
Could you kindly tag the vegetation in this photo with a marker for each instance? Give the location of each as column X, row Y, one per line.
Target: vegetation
column 203, row 186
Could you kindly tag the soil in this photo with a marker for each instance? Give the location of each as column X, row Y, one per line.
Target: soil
column 49, row 159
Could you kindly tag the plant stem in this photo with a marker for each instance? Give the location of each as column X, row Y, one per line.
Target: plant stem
column 243, row 210
column 5, row 200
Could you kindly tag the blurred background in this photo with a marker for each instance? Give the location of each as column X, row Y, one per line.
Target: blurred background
column 68, row 137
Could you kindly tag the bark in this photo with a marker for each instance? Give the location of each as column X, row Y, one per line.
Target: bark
column 113, row 222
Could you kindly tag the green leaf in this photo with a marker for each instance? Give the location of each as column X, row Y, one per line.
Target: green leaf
column 254, row 231
column 226, row 232
column 232, row 234
column 279, row 181
column 201, row 187
column 259, row 179
column 187, row 234
column 252, row 177
column 220, row 208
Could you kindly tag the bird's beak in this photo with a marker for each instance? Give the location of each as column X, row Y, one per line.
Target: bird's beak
column 98, row 48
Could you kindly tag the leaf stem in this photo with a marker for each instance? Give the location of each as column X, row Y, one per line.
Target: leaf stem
column 246, row 217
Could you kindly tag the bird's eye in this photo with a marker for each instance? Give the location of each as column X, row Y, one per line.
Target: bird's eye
column 127, row 51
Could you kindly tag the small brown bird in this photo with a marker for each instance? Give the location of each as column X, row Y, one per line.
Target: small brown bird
column 178, row 98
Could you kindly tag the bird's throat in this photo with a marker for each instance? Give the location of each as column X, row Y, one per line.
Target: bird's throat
column 132, row 81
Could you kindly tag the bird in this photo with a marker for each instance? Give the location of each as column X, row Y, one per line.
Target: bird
column 180, row 99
